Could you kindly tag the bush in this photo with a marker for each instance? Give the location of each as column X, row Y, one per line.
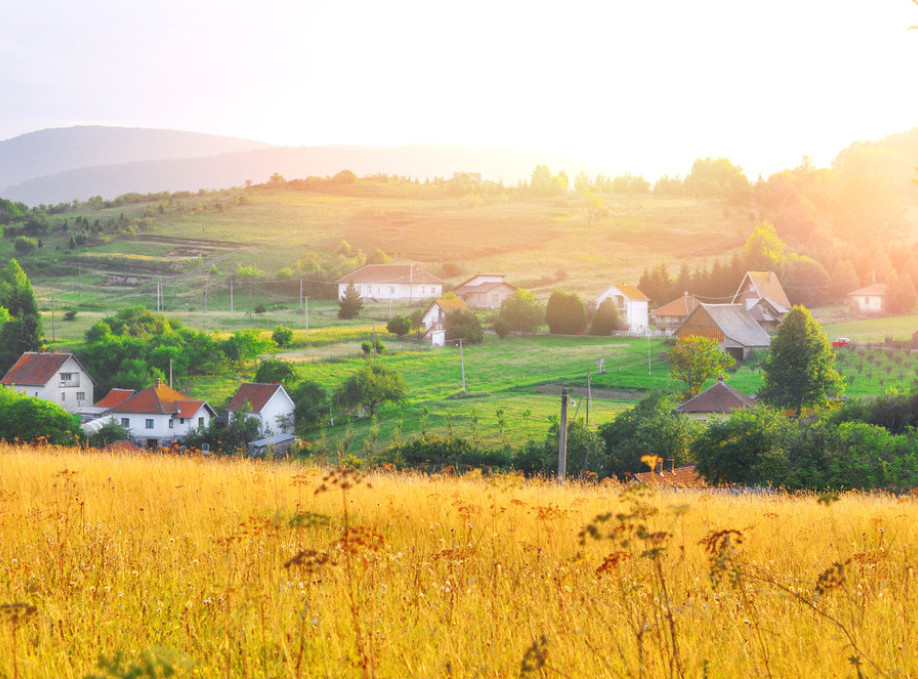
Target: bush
column 606, row 320
column 70, row 315
column 502, row 327
column 275, row 370
column 399, row 325
column 368, row 346
column 282, row 335
column 464, row 325
column 522, row 311
column 25, row 245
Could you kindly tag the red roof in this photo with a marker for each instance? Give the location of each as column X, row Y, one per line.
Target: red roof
column 36, row 368
column 257, row 395
column 160, row 399
column 114, row 397
column 390, row 273
column 876, row 290
column 678, row 307
column 681, row 477
column 719, row 398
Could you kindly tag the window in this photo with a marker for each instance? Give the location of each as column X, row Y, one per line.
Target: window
column 63, row 396
column 200, row 421
column 149, row 424
column 181, row 420
column 66, row 377
column 171, row 423
column 126, row 423
column 81, row 396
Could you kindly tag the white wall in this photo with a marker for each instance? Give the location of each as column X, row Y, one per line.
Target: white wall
column 64, row 393
column 161, row 430
column 396, row 291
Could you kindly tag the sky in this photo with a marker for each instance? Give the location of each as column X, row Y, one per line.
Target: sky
column 643, row 86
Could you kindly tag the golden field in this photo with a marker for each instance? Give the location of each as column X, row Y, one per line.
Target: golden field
column 222, row 568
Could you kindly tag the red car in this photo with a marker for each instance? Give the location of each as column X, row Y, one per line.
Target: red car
column 841, row 342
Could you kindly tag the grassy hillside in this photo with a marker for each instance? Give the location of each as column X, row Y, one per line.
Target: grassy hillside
column 232, row 569
column 539, row 243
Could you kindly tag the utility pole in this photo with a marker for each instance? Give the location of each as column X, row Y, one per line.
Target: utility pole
column 588, row 401
column 306, row 314
column 462, row 363
column 231, row 295
column 649, row 373
column 53, row 338
column 301, row 293
column 374, row 343
column 250, row 298
column 205, row 297
column 562, row 439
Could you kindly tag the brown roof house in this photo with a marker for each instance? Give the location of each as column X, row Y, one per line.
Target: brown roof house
column 156, row 415
column 485, row 290
column 764, row 298
column 734, row 328
column 671, row 315
column 632, row 306
column 718, row 399
column 270, row 403
column 869, row 300
column 397, row 282
column 436, row 313
column 58, row 378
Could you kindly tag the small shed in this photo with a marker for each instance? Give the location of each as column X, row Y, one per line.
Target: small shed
column 719, row 399
column 279, row 443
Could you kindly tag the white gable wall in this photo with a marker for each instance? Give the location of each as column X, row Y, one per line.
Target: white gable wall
column 395, row 291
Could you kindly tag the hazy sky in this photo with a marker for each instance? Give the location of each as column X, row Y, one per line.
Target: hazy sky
column 644, row 85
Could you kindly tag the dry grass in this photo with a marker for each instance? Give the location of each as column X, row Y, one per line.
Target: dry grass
column 245, row 570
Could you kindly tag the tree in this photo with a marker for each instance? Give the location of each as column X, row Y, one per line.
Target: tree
column 463, row 324
column 399, row 325
column 696, row 360
column 369, row 386
column 246, row 345
column 109, row 432
column 607, row 319
column 25, row 245
column 522, row 312
column 31, row 420
column 800, row 368
column 283, row 336
column 566, row 313
column 350, row 303
column 274, row 370
column 310, row 403
column 718, row 178
column 345, row 177
column 22, row 330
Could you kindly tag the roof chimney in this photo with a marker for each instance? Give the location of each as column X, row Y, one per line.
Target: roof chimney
column 720, row 378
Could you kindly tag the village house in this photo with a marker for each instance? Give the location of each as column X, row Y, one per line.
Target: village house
column 632, row 306
column 718, row 399
column 270, row 403
column 764, row 299
column 396, row 282
column 869, row 300
column 736, row 331
column 54, row 377
column 157, row 415
column 671, row 315
column 485, row 290
column 433, row 318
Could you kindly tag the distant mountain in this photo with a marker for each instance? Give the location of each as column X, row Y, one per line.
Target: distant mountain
column 49, row 152
column 62, row 166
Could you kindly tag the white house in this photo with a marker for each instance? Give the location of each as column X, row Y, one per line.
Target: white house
column 869, row 300
column 632, row 306
column 436, row 312
column 397, row 282
column 485, row 290
column 54, row 377
column 157, row 415
column 270, row 403
column 764, row 298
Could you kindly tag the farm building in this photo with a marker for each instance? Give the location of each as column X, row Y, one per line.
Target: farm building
column 485, row 290
column 270, row 403
column 735, row 330
column 764, row 298
column 396, row 282
column 671, row 315
column 718, row 399
column 58, row 378
column 632, row 306
column 869, row 300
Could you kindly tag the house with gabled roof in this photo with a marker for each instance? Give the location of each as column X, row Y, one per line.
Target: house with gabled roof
column 270, row 403
column 671, row 315
column 869, row 300
column 632, row 306
column 718, row 399
column 736, row 331
column 764, row 298
column 668, row 475
column 433, row 318
column 485, row 290
column 397, row 282
column 158, row 415
column 51, row 376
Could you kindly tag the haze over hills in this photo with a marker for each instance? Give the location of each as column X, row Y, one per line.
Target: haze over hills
column 59, row 165
column 53, row 166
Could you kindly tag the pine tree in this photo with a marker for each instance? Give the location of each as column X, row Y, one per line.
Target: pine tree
column 350, row 303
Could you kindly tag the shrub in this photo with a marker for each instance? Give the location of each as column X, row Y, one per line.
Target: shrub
column 566, row 313
column 25, row 245
column 282, row 335
column 463, row 324
column 399, row 325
